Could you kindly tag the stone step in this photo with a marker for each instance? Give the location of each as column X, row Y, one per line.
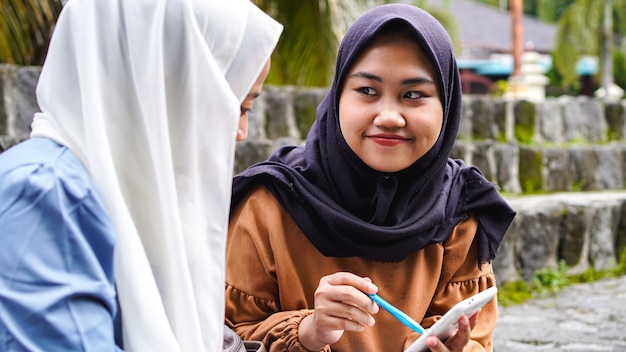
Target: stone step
column 581, row 317
column 584, row 229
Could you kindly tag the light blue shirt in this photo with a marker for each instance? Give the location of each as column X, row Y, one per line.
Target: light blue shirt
column 57, row 290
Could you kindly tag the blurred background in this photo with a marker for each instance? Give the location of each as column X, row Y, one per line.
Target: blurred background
column 581, row 44
column 558, row 155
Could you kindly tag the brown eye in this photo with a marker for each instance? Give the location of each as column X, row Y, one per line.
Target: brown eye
column 413, row 95
column 367, row 90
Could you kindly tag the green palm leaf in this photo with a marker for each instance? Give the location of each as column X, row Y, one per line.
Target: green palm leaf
column 306, row 52
column 25, row 28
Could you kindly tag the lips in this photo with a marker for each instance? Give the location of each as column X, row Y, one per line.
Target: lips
column 388, row 140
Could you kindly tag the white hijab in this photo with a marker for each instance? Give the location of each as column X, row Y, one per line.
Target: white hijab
column 146, row 93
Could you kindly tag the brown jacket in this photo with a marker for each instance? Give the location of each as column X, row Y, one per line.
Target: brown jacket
column 272, row 271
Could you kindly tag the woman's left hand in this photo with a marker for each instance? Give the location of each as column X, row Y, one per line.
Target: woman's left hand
column 457, row 342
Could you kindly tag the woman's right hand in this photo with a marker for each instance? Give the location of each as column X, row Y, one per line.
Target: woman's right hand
column 340, row 305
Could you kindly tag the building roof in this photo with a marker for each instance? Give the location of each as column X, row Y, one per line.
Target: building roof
column 487, row 28
column 486, row 38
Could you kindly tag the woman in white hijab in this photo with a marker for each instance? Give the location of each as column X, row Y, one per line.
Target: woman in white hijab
column 119, row 202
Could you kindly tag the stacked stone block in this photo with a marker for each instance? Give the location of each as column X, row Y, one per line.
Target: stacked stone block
column 558, row 150
column 585, row 230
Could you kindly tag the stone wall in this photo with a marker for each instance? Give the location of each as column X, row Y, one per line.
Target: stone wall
column 17, row 102
column 584, row 229
column 564, row 144
column 568, row 151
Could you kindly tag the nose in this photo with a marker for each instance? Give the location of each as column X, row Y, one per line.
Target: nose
column 390, row 117
column 242, row 129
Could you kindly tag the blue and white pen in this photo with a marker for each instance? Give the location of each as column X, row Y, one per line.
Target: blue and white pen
column 397, row 313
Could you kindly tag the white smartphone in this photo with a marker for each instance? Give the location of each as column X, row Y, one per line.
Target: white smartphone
column 448, row 324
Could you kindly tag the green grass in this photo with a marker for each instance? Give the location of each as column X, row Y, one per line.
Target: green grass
column 549, row 281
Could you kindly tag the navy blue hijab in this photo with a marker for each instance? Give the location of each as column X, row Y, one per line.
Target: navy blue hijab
column 346, row 208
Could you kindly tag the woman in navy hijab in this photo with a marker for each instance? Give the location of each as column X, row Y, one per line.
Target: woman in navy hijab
column 371, row 203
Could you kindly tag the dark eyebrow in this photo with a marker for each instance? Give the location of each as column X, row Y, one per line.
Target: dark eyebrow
column 420, row 80
column 367, row 76
column 409, row 81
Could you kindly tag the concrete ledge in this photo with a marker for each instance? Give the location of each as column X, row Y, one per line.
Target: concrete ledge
column 584, row 229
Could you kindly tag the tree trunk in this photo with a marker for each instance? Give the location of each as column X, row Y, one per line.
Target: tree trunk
column 607, row 47
column 516, row 9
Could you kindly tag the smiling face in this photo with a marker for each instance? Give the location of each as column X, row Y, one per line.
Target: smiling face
column 390, row 110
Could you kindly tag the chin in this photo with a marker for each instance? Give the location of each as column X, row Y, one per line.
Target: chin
column 386, row 166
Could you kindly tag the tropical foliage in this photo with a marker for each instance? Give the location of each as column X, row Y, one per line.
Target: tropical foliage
column 313, row 29
column 581, row 33
column 25, row 28
column 306, row 53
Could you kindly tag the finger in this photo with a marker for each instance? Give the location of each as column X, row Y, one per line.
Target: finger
column 333, row 323
column 435, row 345
column 363, row 284
column 357, row 314
column 344, row 314
column 473, row 320
column 356, row 324
column 462, row 336
column 347, row 288
column 347, row 295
